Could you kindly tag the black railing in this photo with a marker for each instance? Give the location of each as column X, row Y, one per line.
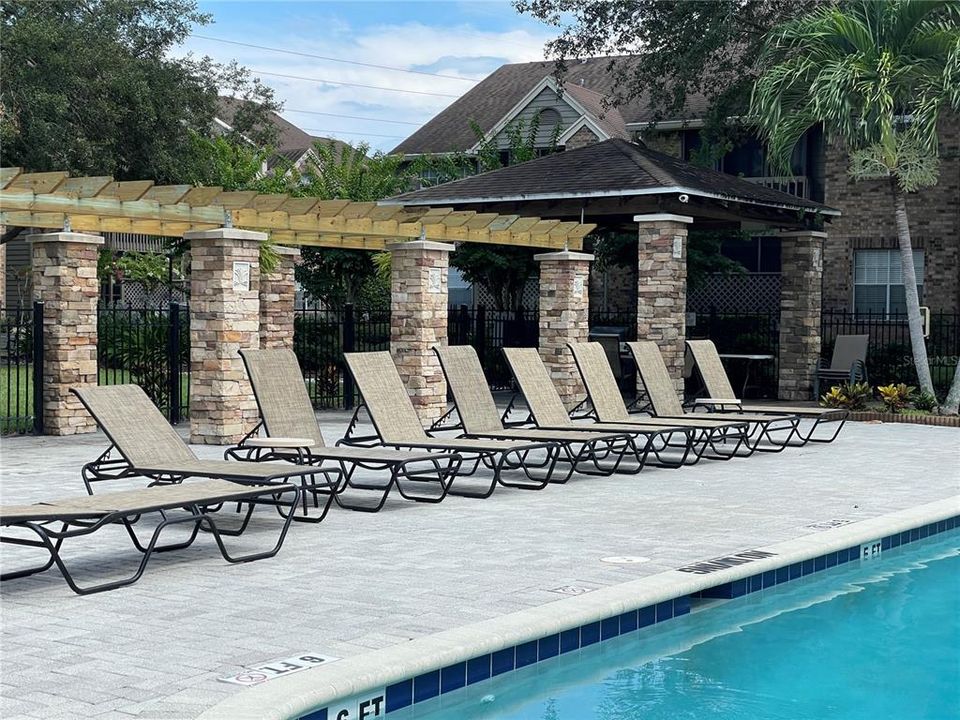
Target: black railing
column 889, row 352
column 490, row 330
column 148, row 346
column 321, row 337
column 21, row 369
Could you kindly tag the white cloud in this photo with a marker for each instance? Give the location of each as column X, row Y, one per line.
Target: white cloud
column 460, row 51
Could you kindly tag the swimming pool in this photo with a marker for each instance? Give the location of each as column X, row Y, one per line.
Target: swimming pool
column 875, row 639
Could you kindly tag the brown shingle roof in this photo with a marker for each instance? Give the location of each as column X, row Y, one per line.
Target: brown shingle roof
column 610, row 168
column 493, row 97
column 292, row 142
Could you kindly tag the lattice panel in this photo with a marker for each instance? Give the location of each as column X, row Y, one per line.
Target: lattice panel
column 749, row 292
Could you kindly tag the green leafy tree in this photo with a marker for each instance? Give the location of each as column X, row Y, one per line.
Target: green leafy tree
column 502, row 270
column 89, row 86
column 877, row 76
column 337, row 276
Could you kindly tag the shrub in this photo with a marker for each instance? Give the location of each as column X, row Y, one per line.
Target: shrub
column 925, row 402
column 850, row 396
column 896, row 396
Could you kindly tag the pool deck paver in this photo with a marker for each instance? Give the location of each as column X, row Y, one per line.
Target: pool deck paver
column 359, row 582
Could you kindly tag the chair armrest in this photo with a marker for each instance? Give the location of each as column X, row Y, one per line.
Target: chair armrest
column 279, row 442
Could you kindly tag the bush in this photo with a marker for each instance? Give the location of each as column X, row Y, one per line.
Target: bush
column 847, row 396
column 925, row 402
column 896, row 396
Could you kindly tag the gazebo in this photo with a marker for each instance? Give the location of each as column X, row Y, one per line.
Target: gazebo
column 624, row 186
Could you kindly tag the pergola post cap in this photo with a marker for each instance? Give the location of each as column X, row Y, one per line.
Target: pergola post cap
column 286, row 250
column 662, row 217
column 66, row 237
column 568, row 255
column 420, row 245
column 225, row 233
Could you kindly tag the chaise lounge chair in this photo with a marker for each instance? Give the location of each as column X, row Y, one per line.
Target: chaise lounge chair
column 666, row 405
column 60, row 520
column 479, row 418
column 292, row 433
column 150, row 448
column 720, row 395
column 548, row 413
column 397, row 425
column 607, row 406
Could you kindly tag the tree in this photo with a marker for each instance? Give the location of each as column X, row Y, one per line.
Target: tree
column 89, row 86
column 876, row 75
column 666, row 51
column 502, row 271
column 338, row 276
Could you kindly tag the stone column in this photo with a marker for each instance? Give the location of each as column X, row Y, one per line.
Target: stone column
column 564, row 317
column 662, row 287
column 65, row 279
column 801, row 275
column 418, row 321
column 224, row 318
column 277, row 295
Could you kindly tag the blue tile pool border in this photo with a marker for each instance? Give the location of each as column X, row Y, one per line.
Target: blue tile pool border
column 461, row 674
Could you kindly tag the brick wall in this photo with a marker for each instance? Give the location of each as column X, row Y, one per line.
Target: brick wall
column 868, row 223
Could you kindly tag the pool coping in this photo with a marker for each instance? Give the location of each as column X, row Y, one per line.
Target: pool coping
column 300, row 694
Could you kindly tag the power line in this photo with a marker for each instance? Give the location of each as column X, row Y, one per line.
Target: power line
column 339, row 60
column 351, row 132
column 347, row 84
column 352, row 117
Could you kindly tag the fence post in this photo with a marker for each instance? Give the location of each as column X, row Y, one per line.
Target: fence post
column 173, row 361
column 349, row 345
column 38, row 368
column 480, row 332
column 463, row 326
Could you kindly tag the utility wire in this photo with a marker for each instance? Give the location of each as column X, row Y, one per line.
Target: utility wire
column 339, row 60
column 348, row 84
column 352, row 117
column 352, row 132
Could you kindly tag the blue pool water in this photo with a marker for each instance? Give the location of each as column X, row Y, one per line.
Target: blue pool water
column 874, row 640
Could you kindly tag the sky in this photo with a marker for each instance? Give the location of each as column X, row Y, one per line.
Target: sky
column 463, row 40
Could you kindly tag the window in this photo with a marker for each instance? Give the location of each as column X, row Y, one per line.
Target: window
column 878, row 281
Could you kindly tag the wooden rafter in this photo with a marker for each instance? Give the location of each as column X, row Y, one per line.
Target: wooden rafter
column 100, row 204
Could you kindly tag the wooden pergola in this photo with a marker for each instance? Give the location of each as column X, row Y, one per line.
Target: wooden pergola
column 101, row 204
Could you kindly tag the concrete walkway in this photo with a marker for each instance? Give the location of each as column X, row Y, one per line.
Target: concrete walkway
column 358, row 582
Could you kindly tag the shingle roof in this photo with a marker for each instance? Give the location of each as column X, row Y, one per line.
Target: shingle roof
column 493, row 97
column 292, row 142
column 610, row 168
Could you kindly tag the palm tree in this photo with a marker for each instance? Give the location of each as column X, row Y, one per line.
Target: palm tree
column 876, row 75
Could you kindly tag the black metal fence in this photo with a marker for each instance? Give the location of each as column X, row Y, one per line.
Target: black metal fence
column 21, row 369
column 489, row 331
column 148, row 346
column 321, row 337
column 889, row 353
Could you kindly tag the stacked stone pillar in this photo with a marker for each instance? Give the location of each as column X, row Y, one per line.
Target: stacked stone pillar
column 418, row 321
column 662, row 287
column 224, row 318
column 277, row 296
column 801, row 276
column 65, row 280
column 564, row 317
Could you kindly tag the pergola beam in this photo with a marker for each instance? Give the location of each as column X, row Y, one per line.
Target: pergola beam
column 100, row 204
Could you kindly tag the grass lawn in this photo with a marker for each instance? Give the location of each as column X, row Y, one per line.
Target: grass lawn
column 16, row 395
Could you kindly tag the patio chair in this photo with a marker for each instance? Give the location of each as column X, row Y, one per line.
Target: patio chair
column 288, row 430
column 607, row 406
column 721, row 397
column 149, row 447
column 57, row 521
column 847, row 364
column 473, row 403
column 547, row 411
column 666, row 406
column 397, row 425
